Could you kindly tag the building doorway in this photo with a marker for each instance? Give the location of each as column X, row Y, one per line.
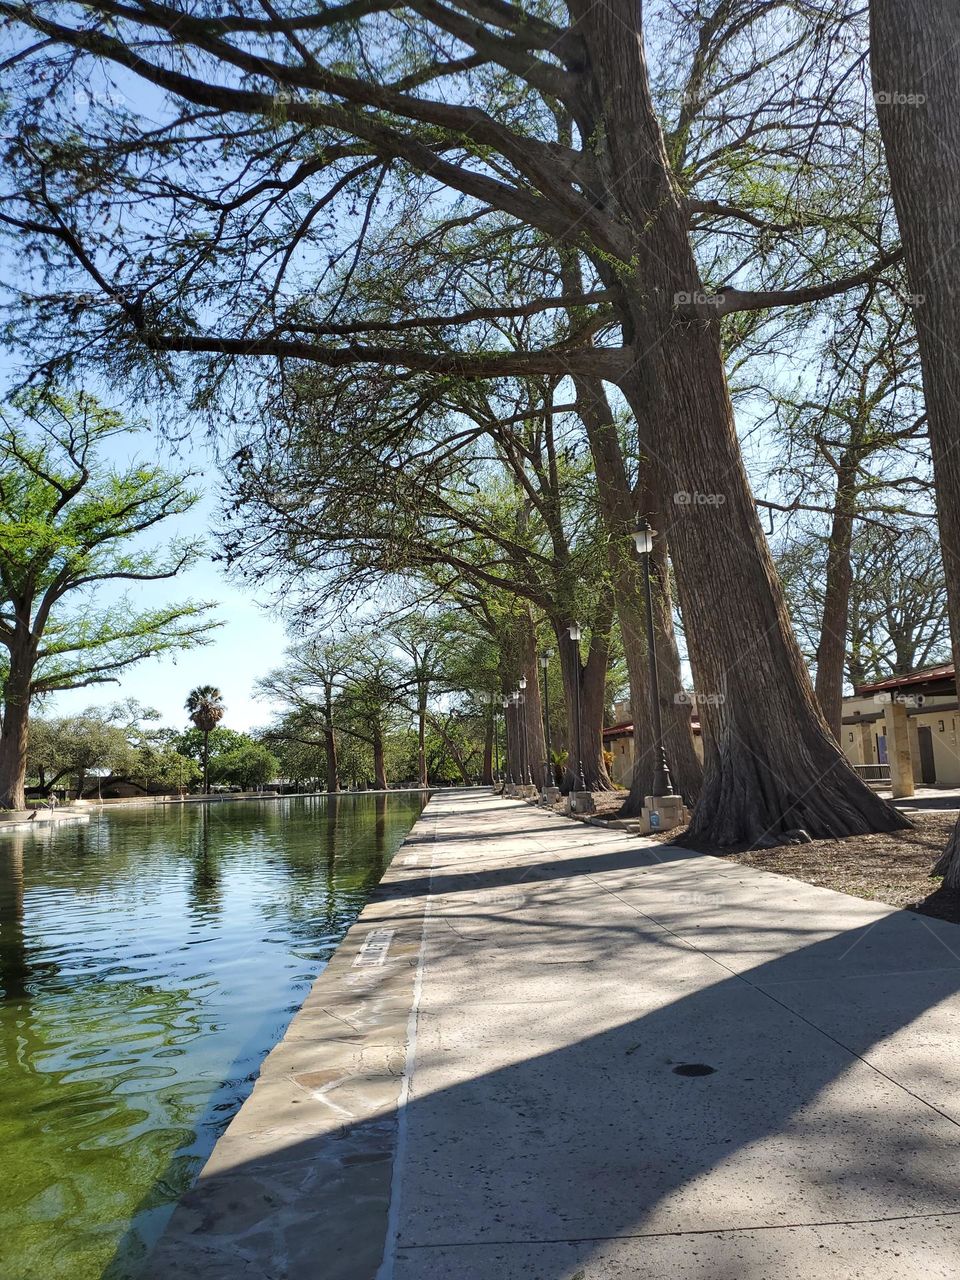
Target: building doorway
column 928, row 768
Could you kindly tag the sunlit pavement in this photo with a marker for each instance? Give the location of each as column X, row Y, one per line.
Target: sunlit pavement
column 550, row 1051
column 927, row 798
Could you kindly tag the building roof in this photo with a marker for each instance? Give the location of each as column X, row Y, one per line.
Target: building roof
column 625, row 729
column 943, row 674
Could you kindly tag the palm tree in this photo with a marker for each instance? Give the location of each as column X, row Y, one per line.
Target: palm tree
column 205, row 707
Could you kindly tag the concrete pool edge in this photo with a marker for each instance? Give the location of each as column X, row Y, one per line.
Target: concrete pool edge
column 309, row 1156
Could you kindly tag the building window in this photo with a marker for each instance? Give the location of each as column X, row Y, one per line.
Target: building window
column 940, row 726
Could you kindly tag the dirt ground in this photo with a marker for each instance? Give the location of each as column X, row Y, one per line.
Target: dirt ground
column 887, row 868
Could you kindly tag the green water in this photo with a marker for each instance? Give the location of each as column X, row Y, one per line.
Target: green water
column 148, row 962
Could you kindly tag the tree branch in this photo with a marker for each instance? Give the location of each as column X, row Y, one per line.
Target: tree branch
column 727, row 301
column 609, row 363
column 456, row 318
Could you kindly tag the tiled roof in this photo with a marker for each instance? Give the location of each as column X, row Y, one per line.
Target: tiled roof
column 625, row 730
column 619, row 730
column 926, row 676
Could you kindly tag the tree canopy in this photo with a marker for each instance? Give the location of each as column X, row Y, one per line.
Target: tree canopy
column 70, row 525
column 496, row 278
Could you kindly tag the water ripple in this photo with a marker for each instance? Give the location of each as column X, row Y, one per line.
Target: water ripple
column 148, row 961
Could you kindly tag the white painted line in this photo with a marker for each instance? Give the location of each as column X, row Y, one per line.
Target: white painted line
column 375, row 946
column 386, row 1268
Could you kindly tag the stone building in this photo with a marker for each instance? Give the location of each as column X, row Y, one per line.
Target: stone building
column 618, row 741
column 917, row 713
column 901, row 732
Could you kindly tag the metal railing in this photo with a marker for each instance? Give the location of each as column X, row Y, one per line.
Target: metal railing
column 875, row 774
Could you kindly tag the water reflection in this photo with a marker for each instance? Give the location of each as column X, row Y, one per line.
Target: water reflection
column 14, row 967
column 147, row 963
column 380, row 826
column 205, row 896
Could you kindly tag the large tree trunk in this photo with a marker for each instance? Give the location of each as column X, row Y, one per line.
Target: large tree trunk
column 771, row 762
column 14, row 730
column 832, row 645
column 915, row 56
column 422, row 736
column 379, row 762
column 524, row 769
column 206, row 762
column 486, row 772
column 591, row 677
column 533, row 704
column 333, row 768
column 509, row 751
column 330, row 743
column 618, row 508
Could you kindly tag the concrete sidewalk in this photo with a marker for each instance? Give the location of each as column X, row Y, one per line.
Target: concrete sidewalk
column 553, row 1052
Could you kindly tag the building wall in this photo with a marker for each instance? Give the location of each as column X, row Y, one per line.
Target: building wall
column 944, row 729
column 621, row 748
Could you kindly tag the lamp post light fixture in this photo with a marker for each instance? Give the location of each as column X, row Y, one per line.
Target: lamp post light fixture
column 547, row 767
column 643, row 537
column 573, row 631
column 517, row 771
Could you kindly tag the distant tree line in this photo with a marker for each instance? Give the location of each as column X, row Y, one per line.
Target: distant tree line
column 118, row 749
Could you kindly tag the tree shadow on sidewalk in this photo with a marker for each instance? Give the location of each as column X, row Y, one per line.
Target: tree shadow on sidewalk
column 534, row 1122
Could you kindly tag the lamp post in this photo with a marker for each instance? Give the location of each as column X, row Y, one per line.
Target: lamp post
column 573, row 631
column 518, row 737
column 544, row 665
column 662, row 783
